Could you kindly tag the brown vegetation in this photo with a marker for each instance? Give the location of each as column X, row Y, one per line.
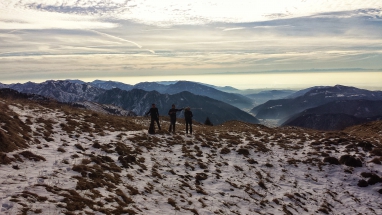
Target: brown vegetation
column 14, row 134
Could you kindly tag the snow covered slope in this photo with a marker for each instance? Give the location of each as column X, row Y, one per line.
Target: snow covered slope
column 75, row 161
column 63, row 91
column 103, row 108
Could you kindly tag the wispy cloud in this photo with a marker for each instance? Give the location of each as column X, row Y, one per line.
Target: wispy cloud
column 273, row 26
column 151, row 51
column 17, row 15
column 91, row 14
column 10, row 32
column 116, row 38
column 233, row 29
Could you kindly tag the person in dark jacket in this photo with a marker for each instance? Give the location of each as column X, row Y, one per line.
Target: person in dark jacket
column 188, row 117
column 172, row 113
column 154, row 113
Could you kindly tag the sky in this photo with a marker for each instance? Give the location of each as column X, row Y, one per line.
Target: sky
column 244, row 44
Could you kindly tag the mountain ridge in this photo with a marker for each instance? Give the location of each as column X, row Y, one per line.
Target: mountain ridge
column 202, row 106
column 136, row 100
column 63, row 91
column 284, row 108
column 337, row 115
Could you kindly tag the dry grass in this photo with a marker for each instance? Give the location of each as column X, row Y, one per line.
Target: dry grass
column 4, row 159
column 126, row 200
column 225, row 150
column 370, row 131
column 14, row 134
column 46, row 127
column 31, row 156
column 377, row 151
column 172, row 202
column 377, row 160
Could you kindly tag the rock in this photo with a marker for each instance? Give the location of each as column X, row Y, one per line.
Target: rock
column 350, row 160
column 332, row 160
column 242, row 151
column 374, row 179
column 362, row 183
column 201, row 176
column 366, row 145
column 7, row 206
column 251, row 161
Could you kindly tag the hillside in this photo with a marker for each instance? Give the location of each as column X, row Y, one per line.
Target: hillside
column 316, row 96
column 325, row 122
column 74, row 161
column 63, row 91
column 337, row 115
column 103, row 108
column 367, row 131
column 3, row 85
column 303, row 91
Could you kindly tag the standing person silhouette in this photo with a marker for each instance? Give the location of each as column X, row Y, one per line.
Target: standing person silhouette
column 172, row 113
column 154, row 113
column 188, row 117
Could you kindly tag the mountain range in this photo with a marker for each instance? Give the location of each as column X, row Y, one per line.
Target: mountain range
column 63, row 91
column 139, row 101
column 242, row 99
column 236, row 100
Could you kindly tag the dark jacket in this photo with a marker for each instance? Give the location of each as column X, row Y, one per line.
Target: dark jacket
column 188, row 115
column 172, row 112
column 154, row 113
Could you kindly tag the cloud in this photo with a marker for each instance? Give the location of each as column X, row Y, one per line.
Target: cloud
column 19, row 16
column 92, row 14
column 201, row 12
